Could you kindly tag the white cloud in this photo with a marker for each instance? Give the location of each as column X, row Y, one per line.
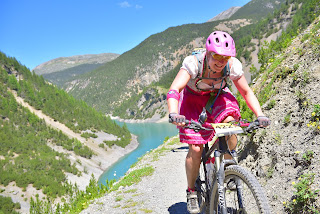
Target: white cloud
column 124, row 4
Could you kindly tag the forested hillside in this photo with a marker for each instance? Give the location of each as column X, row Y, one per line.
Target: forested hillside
column 56, row 103
column 59, row 78
column 111, row 86
column 28, row 159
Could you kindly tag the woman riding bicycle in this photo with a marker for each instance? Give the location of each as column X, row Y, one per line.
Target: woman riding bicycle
column 202, row 82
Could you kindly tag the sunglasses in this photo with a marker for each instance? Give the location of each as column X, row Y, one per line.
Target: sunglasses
column 219, row 57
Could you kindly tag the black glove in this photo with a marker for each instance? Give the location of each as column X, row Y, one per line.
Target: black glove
column 177, row 118
column 264, row 121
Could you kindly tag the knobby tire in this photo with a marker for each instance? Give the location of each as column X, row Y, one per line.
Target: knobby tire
column 254, row 189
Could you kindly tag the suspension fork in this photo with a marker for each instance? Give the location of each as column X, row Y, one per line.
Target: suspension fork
column 220, row 164
column 205, row 156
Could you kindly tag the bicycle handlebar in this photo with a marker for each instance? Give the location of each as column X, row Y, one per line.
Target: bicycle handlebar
column 253, row 126
column 196, row 126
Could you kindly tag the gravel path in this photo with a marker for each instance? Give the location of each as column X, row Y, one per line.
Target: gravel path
column 161, row 192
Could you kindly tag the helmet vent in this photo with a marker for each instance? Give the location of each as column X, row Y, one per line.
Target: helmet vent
column 225, row 35
column 217, row 40
column 227, row 44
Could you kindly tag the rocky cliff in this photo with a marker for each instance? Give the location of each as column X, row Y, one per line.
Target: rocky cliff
column 281, row 154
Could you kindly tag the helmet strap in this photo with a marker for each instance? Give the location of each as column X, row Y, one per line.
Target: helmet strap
column 208, row 66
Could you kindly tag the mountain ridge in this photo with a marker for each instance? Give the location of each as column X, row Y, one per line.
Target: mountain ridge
column 62, row 63
column 225, row 14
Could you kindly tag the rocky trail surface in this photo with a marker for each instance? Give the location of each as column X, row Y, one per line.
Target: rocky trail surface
column 161, row 192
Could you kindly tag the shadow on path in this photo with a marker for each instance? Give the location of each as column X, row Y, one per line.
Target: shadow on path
column 178, row 208
column 181, row 149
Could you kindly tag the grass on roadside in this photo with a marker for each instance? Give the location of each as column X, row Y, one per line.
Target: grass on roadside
column 133, row 177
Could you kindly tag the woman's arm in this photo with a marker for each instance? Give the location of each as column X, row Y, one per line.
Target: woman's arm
column 178, row 84
column 248, row 95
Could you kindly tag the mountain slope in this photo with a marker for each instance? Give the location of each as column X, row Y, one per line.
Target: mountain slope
column 63, row 63
column 289, row 150
column 49, row 140
column 60, row 77
column 256, row 9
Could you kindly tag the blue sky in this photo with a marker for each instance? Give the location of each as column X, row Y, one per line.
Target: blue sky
column 36, row 31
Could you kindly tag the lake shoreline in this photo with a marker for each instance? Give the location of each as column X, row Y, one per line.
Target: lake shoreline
column 155, row 119
column 105, row 159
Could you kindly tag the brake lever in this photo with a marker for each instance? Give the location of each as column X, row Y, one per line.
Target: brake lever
column 253, row 126
column 195, row 126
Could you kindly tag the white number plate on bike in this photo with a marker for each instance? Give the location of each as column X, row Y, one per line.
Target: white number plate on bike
column 225, row 129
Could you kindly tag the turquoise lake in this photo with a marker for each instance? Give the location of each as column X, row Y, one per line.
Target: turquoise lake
column 150, row 136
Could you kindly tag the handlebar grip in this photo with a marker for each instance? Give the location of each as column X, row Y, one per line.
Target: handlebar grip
column 256, row 122
column 253, row 125
column 171, row 120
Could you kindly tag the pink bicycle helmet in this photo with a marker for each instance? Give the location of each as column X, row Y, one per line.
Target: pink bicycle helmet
column 221, row 43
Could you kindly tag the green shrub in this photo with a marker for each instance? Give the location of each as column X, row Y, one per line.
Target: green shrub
column 287, row 119
column 271, row 104
column 315, row 118
column 7, row 206
column 304, row 198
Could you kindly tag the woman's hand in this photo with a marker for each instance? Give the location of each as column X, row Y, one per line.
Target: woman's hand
column 264, row 121
column 177, row 119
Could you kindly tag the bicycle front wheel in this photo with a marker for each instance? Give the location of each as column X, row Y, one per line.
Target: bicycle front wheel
column 243, row 193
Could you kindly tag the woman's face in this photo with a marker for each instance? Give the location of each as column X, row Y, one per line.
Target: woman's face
column 217, row 62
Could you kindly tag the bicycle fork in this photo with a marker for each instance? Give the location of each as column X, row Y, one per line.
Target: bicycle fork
column 220, row 164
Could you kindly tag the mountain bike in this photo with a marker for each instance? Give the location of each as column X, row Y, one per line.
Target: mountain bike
column 226, row 187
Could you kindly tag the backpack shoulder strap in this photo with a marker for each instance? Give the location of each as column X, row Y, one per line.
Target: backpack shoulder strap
column 226, row 70
column 198, row 53
column 199, row 64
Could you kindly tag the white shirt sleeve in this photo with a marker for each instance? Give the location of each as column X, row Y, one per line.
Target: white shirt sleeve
column 236, row 69
column 191, row 66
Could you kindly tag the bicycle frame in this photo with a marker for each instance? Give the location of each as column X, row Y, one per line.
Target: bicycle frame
column 221, row 130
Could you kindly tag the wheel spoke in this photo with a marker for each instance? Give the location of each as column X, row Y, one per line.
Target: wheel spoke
column 239, row 198
column 243, row 193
